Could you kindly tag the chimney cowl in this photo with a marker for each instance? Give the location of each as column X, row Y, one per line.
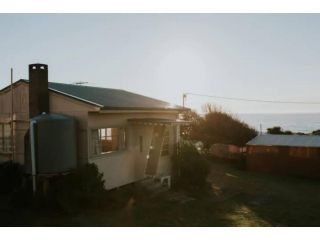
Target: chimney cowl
column 38, row 89
column 36, row 66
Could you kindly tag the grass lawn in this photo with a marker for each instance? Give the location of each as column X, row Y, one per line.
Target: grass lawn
column 234, row 198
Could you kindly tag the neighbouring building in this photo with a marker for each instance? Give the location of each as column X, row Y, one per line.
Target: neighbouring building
column 127, row 135
column 225, row 151
column 296, row 155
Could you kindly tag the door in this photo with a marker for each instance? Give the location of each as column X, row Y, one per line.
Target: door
column 155, row 150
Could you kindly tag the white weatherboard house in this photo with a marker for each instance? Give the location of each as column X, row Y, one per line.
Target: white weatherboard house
column 127, row 135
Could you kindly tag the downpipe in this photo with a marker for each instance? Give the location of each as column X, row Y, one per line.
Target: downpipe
column 33, row 156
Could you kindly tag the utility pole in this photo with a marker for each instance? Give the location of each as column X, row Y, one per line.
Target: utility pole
column 184, row 98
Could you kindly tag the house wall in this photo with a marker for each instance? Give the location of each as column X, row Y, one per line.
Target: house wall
column 58, row 104
column 21, row 114
column 295, row 161
column 127, row 166
column 73, row 108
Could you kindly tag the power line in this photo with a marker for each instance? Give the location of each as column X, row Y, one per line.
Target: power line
column 251, row 100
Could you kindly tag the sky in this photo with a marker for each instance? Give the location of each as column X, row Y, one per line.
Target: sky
column 258, row 56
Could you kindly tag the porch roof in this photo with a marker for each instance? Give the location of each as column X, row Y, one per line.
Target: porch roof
column 158, row 121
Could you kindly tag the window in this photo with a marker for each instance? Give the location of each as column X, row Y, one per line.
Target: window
column 165, row 144
column 106, row 140
column 5, row 137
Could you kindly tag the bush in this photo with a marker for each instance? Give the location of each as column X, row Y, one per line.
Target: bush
column 278, row 130
column 217, row 126
column 192, row 168
column 11, row 177
column 81, row 188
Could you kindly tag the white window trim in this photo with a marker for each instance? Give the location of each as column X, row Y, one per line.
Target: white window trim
column 103, row 154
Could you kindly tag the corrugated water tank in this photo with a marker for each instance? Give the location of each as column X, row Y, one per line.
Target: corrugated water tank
column 55, row 143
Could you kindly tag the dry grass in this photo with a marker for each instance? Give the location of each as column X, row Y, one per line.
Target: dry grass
column 234, row 198
column 266, row 200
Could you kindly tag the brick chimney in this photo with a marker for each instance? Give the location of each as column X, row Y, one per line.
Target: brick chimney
column 38, row 89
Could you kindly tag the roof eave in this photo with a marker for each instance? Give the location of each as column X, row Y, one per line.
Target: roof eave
column 15, row 83
column 76, row 98
column 106, row 108
column 266, row 145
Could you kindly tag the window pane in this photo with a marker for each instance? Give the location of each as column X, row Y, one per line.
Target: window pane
column 108, row 140
column 5, row 137
column 103, row 133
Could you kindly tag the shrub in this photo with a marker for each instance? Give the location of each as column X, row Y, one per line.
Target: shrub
column 191, row 168
column 81, row 188
column 278, row 130
column 11, row 177
column 217, row 126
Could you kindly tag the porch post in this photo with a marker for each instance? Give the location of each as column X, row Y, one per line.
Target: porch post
column 178, row 134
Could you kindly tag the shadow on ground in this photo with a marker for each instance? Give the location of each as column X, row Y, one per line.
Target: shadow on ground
column 233, row 198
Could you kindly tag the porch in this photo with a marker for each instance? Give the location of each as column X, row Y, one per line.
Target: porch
column 148, row 144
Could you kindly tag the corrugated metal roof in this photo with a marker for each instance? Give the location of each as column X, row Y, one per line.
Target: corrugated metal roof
column 109, row 98
column 286, row 140
column 112, row 98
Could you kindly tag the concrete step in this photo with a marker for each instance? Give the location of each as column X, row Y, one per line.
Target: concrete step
column 154, row 186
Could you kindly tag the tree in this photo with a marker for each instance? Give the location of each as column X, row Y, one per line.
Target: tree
column 217, row 126
column 316, row 132
column 278, row 130
column 189, row 131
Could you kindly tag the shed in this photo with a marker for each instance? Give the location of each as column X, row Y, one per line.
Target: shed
column 296, row 155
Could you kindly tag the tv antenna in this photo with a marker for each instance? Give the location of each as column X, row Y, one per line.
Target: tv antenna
column 80, row 83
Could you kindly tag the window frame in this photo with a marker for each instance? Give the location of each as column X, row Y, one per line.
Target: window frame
column 96, row 143
column 5, row 138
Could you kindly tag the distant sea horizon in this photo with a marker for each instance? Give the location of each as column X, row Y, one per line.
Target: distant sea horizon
column 295, row 122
